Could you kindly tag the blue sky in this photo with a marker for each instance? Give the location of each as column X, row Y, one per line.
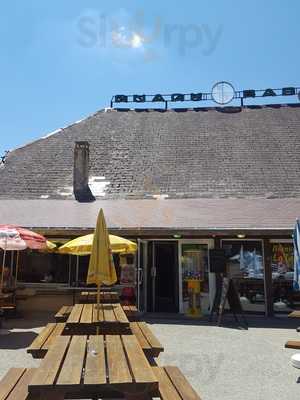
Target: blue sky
column 63, row 60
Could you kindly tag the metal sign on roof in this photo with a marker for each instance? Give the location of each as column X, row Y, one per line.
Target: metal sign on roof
column 221, row 93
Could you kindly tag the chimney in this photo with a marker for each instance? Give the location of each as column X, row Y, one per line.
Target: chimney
column 81, row 188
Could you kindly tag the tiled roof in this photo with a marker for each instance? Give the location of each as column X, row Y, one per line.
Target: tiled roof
column 205, row 153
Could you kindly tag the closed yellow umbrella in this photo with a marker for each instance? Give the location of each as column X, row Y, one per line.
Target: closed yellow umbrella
column 101, row 265
column 82, row 245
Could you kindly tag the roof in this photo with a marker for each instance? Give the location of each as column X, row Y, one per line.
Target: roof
column 202, row 215
column 231, row 152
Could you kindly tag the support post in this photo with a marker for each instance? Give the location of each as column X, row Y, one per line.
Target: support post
column 269, row 307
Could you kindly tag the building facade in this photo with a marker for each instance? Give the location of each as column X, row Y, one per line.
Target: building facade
column 180, row 183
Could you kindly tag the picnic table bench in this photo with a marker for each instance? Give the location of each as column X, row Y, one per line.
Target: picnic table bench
column 63, row 313
column 172, row 384
column 102, row 365
column 105, row 297
column 42, row 343
column 149, row 343
column 131, row 312
column 109, row 318
column 294, row 314
column 8, row 302
column 292, row 344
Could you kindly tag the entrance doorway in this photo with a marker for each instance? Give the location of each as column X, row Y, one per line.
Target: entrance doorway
column 163, row 284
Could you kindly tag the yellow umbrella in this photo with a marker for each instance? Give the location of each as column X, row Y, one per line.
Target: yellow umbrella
column 101, row 265
column 82, row 245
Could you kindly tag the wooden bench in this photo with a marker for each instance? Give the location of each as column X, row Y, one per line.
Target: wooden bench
column 149, row 343
column 292, row 344
column 105, row 297
column 14, row 384
column 173, row 385
column 294, row 314
column 40, row 346
column 8, row 303
column 131, row 312
column 63, row 314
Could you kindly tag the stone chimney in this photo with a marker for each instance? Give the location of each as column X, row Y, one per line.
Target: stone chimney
column 81, row 171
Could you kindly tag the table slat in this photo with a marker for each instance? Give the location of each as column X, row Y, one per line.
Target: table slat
column 87, row 314
column 149, row 335
column 182, row 385
column 57, row 331
column 45, row 375
column 42, row 337
column 75, row 315
column 95, row 361
column 9, row 381
column 166, row 388
column 71, row 369
column 109, row 315
column 138, row 362
column 118, row 370
column 120, row 314
column 140, row 336
column 21, row 391
column 98, row 313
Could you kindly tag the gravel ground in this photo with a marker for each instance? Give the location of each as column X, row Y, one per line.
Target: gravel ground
column 226, row 363
column 222, row 363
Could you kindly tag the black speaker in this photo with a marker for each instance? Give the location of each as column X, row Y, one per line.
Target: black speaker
column 217, row 261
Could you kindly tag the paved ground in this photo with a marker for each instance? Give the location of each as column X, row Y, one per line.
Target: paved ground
column 222, row 363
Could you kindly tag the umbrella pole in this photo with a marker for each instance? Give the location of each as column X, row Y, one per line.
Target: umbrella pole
column 77, row 269
column 12, row 263
column 70, row 266
column 98, row 306
column 17, row 268
column 2, row 273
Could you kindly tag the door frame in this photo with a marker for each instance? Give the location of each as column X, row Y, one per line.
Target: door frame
column 212, row 282
column 142, row 274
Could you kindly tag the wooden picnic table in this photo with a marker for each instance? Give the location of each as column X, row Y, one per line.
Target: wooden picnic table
column 87, row 367
column 105, row 297
column 147, row 340
column 84, row 319
column 294, row 314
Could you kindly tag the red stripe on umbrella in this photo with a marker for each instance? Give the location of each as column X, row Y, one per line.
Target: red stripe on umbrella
column 32, row 240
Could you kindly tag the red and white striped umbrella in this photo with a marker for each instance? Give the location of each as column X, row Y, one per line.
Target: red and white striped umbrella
column 13, row 237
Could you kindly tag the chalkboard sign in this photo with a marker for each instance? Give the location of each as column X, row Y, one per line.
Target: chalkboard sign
column 226, row 291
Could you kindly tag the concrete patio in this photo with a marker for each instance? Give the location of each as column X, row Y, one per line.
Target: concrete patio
column 222, row 363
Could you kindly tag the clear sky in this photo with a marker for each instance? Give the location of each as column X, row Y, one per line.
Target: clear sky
column 63, row 60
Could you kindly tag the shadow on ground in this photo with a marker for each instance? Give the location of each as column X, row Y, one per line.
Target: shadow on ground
column 17, row 340
column 228, row 321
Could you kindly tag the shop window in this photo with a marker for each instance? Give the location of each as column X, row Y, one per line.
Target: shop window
column 246, row 266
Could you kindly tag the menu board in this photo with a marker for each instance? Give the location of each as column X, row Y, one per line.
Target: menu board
column 227, row 292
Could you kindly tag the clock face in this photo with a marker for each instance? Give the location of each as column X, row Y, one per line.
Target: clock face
column 222, row 92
